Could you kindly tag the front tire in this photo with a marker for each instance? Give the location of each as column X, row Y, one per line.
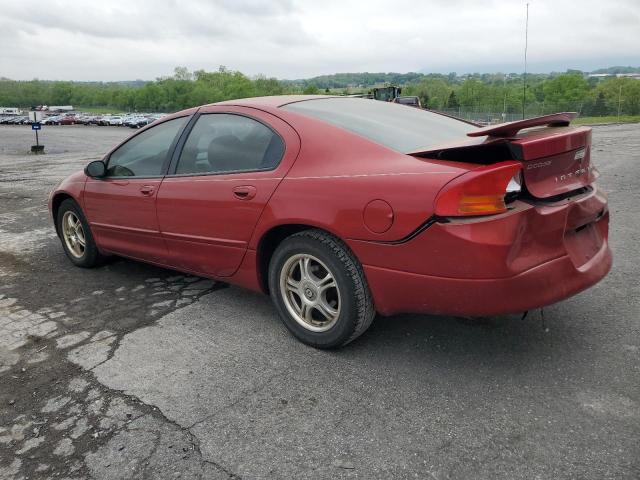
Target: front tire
column 319, row 289
column 75, row 235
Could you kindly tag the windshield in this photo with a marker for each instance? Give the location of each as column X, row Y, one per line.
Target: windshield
column 390, row 124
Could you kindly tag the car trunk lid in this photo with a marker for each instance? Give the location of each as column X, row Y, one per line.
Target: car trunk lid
column 556, row 158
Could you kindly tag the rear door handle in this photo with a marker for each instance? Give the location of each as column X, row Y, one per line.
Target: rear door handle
column 244, row 192
column 147, row 190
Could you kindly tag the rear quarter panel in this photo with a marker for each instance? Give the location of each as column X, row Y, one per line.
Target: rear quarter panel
column 338, row 173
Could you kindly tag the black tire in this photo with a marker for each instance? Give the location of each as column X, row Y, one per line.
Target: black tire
column 356, row 310
column 91, row 256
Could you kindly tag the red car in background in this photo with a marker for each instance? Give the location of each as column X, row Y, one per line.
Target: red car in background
column 68, row 119
column 343, row 207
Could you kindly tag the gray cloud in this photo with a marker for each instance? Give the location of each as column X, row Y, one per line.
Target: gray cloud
column 124, row 39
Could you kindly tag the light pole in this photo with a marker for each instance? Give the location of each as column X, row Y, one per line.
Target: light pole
column 524, row 77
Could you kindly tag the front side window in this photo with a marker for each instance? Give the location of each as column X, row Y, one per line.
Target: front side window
column 145, row 154
column 222, row 142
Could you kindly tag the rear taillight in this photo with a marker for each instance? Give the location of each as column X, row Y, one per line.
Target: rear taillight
column 479, row 192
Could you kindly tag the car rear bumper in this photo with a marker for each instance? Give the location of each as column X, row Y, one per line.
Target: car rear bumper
column 530, row 257
column 398, row 292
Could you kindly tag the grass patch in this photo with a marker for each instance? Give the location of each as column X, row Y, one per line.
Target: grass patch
column 607, row 119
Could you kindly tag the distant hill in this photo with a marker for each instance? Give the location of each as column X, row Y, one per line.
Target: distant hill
column 121, row 83
column 369, row 79
column 615, row 70
column 343, row 80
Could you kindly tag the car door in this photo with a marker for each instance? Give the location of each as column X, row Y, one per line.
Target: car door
column 218, row 185
column 121, row 207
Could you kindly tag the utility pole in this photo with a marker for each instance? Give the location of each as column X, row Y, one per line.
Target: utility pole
column 524, row 77
column 619, row 101
column 504, row 103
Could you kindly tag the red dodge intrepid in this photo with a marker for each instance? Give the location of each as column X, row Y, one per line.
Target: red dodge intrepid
column 343, row 207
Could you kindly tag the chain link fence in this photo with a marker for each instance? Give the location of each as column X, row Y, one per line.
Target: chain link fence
column 489, row 115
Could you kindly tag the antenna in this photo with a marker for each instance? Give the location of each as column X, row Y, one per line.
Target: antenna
column 524, row 77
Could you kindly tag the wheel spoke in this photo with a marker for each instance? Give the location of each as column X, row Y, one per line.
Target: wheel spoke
column 305, row 268
column 80, row 238
column 326, row 283
column 71, row 222
column 300, row 264
column 292, row 285
column 325, row 309
column 305, row 312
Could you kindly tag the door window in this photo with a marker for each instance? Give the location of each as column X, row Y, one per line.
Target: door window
column 145, row 154
column 221, row 142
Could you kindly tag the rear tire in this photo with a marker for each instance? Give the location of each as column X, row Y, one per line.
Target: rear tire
column 320, row 290
column 75, row 235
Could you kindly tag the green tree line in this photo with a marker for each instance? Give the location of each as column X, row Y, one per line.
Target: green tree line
column 182, row 90
column 565, row 92
column 544, row 93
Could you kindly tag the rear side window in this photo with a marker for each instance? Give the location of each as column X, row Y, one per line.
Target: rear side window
column 222, row 142
column 146, row 153
column 390, row 124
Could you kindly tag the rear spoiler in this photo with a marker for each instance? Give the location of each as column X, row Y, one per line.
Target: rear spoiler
column 510, row 129
column 497, row 144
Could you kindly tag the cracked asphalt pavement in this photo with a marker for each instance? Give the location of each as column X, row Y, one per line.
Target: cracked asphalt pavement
column 130, row 371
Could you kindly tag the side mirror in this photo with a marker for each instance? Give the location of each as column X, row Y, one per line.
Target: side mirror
column 96, row 169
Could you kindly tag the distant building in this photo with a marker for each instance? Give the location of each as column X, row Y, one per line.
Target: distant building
column 58, row 108
column 606, row 75
column 10, row 111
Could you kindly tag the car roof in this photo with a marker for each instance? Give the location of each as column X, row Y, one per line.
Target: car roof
column 273, row 101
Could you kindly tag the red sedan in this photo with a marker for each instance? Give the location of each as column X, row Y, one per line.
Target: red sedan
column 70, row 119
column 343, row 207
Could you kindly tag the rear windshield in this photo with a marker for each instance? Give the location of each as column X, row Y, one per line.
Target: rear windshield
column 395, row 126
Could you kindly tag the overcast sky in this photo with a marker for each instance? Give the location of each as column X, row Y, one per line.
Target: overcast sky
column 144, row 39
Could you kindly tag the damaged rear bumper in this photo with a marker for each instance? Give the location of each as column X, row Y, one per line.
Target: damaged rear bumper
column 532, row 256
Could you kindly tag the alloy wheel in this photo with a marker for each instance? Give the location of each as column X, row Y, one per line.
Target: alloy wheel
column 310, row 292
column 73, row 234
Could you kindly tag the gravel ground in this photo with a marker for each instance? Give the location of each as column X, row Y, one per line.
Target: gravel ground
column 131, row 371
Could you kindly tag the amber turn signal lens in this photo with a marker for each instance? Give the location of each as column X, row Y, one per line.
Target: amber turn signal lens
column 478, row 192
column 481, row 204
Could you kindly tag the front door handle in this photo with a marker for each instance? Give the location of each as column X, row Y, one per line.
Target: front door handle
column 245, row 192
column 147, row 190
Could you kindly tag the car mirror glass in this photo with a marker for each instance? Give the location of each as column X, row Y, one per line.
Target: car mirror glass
column 96, row 169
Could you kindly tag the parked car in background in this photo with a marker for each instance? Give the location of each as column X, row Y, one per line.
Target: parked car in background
column 104, row 120
column 131, row 120
column 134, row 120
column 410, row 101
column 342, row 207
column 140, row 122
column 52, row 120
column 68, row 119
column 18, row 120
column 83, row 119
